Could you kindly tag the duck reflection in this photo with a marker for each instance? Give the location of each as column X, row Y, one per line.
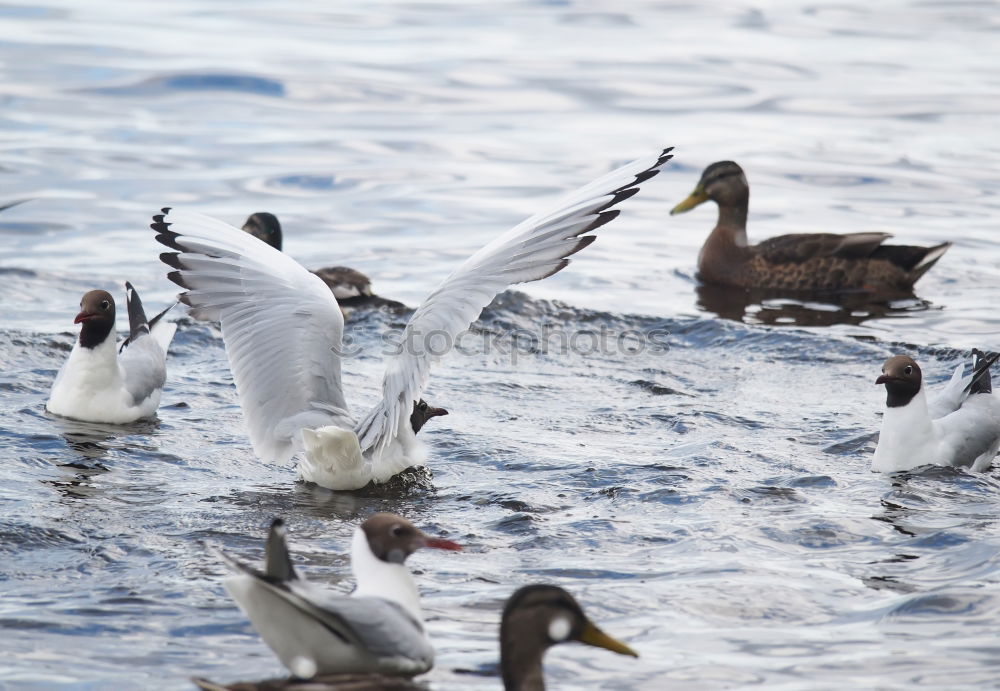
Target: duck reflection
column 783, row 308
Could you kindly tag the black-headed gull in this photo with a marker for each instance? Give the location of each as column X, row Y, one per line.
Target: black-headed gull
column 282, row 328
column 958, row 426
column 351, row 287
column 377, row 629
column 102, row 383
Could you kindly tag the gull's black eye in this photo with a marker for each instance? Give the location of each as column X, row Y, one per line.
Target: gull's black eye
column 105, row 304
column 908, row 370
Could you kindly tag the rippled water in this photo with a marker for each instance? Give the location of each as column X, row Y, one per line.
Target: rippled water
column 709, row 503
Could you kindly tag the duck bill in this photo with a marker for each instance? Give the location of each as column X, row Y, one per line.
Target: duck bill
column 694, row 199
column 594, row 636
column 83, row 316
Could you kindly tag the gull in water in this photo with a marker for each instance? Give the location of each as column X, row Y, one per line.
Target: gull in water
column 102, row 383
column 378, row 629
column 958, row 426
column 282, row 328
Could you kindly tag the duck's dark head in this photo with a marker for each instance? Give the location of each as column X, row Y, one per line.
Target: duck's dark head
column 264, row 226
column 97, row 314
column 535, row 618
column 422, row 413
column 722, row 182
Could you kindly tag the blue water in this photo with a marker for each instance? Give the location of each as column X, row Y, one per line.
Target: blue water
column 710, row 503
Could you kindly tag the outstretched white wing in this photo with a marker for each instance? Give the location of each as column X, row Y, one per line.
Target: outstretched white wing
column 281, row 324
column 533, row 250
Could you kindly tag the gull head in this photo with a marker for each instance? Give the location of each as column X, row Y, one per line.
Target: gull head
column 392, row 538
column 902, row 379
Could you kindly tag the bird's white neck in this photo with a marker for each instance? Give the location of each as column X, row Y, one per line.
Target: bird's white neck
column 907, row 431
column 377, row 578
column 98, row 366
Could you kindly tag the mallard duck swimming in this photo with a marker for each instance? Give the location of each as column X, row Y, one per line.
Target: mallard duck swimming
column 351, row 287
column 535, row 618
column 799, row 262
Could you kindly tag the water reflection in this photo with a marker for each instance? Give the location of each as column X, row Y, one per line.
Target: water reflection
column 783, row 308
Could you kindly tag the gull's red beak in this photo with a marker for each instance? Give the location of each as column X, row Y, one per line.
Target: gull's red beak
column 83, row 316
column 884, row 379
column 441, row 543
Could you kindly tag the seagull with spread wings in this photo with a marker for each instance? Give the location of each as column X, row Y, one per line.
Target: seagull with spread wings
column 282, row 328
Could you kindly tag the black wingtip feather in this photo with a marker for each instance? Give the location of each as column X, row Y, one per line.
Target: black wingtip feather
column 175, row 277
column 602, row 218
column 172, row 259
column 981, row 379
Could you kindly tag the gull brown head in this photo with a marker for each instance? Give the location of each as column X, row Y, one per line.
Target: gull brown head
column 392, row 538
column 97, row 314
column 902, row 378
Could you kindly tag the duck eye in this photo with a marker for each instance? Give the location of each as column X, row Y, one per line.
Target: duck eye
column 908, row 370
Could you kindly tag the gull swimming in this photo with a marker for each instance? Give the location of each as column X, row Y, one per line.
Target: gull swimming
column 958, row 426
column 100, row 382
column 377, row 629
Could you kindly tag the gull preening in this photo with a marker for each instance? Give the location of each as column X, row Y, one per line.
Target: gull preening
column 378, row 629
column 282, row 328
column 958, row 426
column 102, row 383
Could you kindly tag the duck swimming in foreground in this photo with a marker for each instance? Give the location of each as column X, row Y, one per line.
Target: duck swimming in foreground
column 959, row 426
column 102, row 383
column 282, row 328
column 801, row 262
column 351, row 287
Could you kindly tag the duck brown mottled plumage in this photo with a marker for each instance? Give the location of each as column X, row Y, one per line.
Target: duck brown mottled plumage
column 799, row 262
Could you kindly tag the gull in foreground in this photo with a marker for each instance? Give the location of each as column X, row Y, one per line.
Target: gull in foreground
column 958, row 426
column 102, row 383
column 282, row 328
column 378, row 629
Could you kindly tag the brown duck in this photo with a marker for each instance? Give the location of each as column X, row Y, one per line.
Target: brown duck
column 799, row 262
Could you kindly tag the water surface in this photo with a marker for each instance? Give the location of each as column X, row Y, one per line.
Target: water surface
column 708, row 502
